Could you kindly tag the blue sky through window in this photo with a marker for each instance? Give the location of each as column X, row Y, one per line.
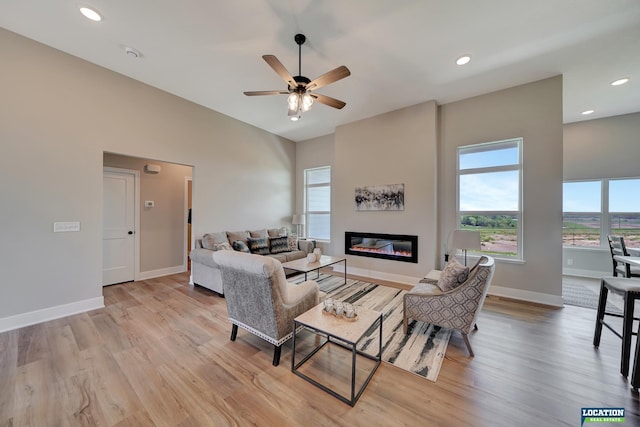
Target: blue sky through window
column 490, row 158
column 494, row 191
column 624, row 196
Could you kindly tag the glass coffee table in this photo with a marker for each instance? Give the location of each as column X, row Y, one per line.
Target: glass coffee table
column 340, row 334
column 302, row 266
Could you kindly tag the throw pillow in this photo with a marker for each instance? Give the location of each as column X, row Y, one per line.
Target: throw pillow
column 278, row 232
column 240, row 246
column 453, row 275
column 238, row 235
column 259, row 245
column 259, row 233
column 209, row 240
column 222, row 247
column 293, row 242
column 279, row 244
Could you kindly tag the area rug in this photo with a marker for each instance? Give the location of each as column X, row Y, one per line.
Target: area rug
column 421, row 351
column 582, row 296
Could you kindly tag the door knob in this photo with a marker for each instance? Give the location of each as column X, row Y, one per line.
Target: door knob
column 130, row 232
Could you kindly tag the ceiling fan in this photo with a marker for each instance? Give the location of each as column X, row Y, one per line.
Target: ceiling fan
column 300, row 88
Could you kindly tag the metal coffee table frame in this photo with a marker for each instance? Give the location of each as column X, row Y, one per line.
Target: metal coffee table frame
column 344, row 343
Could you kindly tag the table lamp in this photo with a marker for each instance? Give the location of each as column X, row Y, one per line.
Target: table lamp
column 298, row 221
column 466, row 239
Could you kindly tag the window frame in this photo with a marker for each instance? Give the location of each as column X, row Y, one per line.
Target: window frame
column 518, row 213
column 605, row 213
column 308, row 212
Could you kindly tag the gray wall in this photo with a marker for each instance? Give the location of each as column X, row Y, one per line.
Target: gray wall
column 394, row 148
column 57, row 116
column 596, row 149
column 417, row 146
column 533, row 112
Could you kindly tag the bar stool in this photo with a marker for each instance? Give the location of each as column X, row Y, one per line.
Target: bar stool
column 629, row 289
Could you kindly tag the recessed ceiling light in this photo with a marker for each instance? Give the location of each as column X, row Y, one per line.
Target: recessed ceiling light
column 463, row 60
column 620, row 82
column 90, row 14
column 587, row 112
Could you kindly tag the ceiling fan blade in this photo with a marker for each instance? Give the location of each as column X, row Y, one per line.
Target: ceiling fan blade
column 327, row 100
column 327, row 78
column 266, row 92
column 279, row 68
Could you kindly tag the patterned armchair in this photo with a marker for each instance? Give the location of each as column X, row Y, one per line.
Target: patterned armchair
column 259, row 298
column 456, row 309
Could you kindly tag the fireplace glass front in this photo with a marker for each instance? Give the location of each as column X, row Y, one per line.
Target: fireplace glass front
column 397, row 247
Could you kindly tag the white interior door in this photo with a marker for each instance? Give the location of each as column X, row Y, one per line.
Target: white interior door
column 118, row 239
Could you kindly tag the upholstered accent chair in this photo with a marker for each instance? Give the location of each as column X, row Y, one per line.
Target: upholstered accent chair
column 259, row 298
column 618, row 247
column 455, row 309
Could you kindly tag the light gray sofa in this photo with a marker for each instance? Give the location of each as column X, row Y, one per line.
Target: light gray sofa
column 204, row 270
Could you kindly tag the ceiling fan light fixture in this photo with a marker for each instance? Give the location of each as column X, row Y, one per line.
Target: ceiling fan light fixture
column 294, row 102
column 307, row 102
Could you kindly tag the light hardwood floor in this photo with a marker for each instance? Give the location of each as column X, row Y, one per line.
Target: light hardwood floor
column 159, row 354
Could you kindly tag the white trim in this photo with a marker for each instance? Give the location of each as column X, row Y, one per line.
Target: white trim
column 136, row 215
column 528, row 296
column 51, row 313
column 187, row 179
column 152, row 274
column 594, row 274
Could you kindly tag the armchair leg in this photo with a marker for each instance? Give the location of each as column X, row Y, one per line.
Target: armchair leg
column 276, row 355
column 475, row 326
column 234, row 332
column 405, row 322
column 466, row 341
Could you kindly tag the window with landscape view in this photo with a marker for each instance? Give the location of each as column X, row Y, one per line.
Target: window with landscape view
column 317, row 202
column 490, row 195
column 593, row 209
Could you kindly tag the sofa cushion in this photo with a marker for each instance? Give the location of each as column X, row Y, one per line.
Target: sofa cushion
column 278, row 232
column 282, row 257
column 209, row 240
column 278, row 244
column 453, row 275
column 258, row 246
column 258, row 233
column 222, row 247
column 292, row 255
column 240, row 246
column 238, row 235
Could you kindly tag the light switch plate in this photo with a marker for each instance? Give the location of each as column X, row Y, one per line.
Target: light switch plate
column 66, row 227
column 149, row 203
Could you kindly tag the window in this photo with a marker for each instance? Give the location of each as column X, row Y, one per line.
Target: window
column 490, row 195
column 317, row 202
column 593, row 209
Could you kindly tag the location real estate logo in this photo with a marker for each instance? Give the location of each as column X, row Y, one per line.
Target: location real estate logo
column 602, row 415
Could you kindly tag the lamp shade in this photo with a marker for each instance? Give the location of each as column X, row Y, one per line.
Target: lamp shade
column 466, row 239
column 298, row 219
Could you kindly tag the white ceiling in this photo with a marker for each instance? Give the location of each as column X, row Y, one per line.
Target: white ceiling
column 400, row 53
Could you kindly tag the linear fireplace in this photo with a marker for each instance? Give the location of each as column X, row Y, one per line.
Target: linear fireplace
column 398, row 247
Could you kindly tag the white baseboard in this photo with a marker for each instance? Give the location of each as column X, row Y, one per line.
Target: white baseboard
column 516, row 294
column 528, row 296
column 152, row 274
column 585, row 273
column 38, row 316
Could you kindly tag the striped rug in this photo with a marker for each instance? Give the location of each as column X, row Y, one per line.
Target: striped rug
column 421, row 351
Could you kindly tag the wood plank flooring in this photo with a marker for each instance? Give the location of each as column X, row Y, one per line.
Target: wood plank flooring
column 159, row 354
